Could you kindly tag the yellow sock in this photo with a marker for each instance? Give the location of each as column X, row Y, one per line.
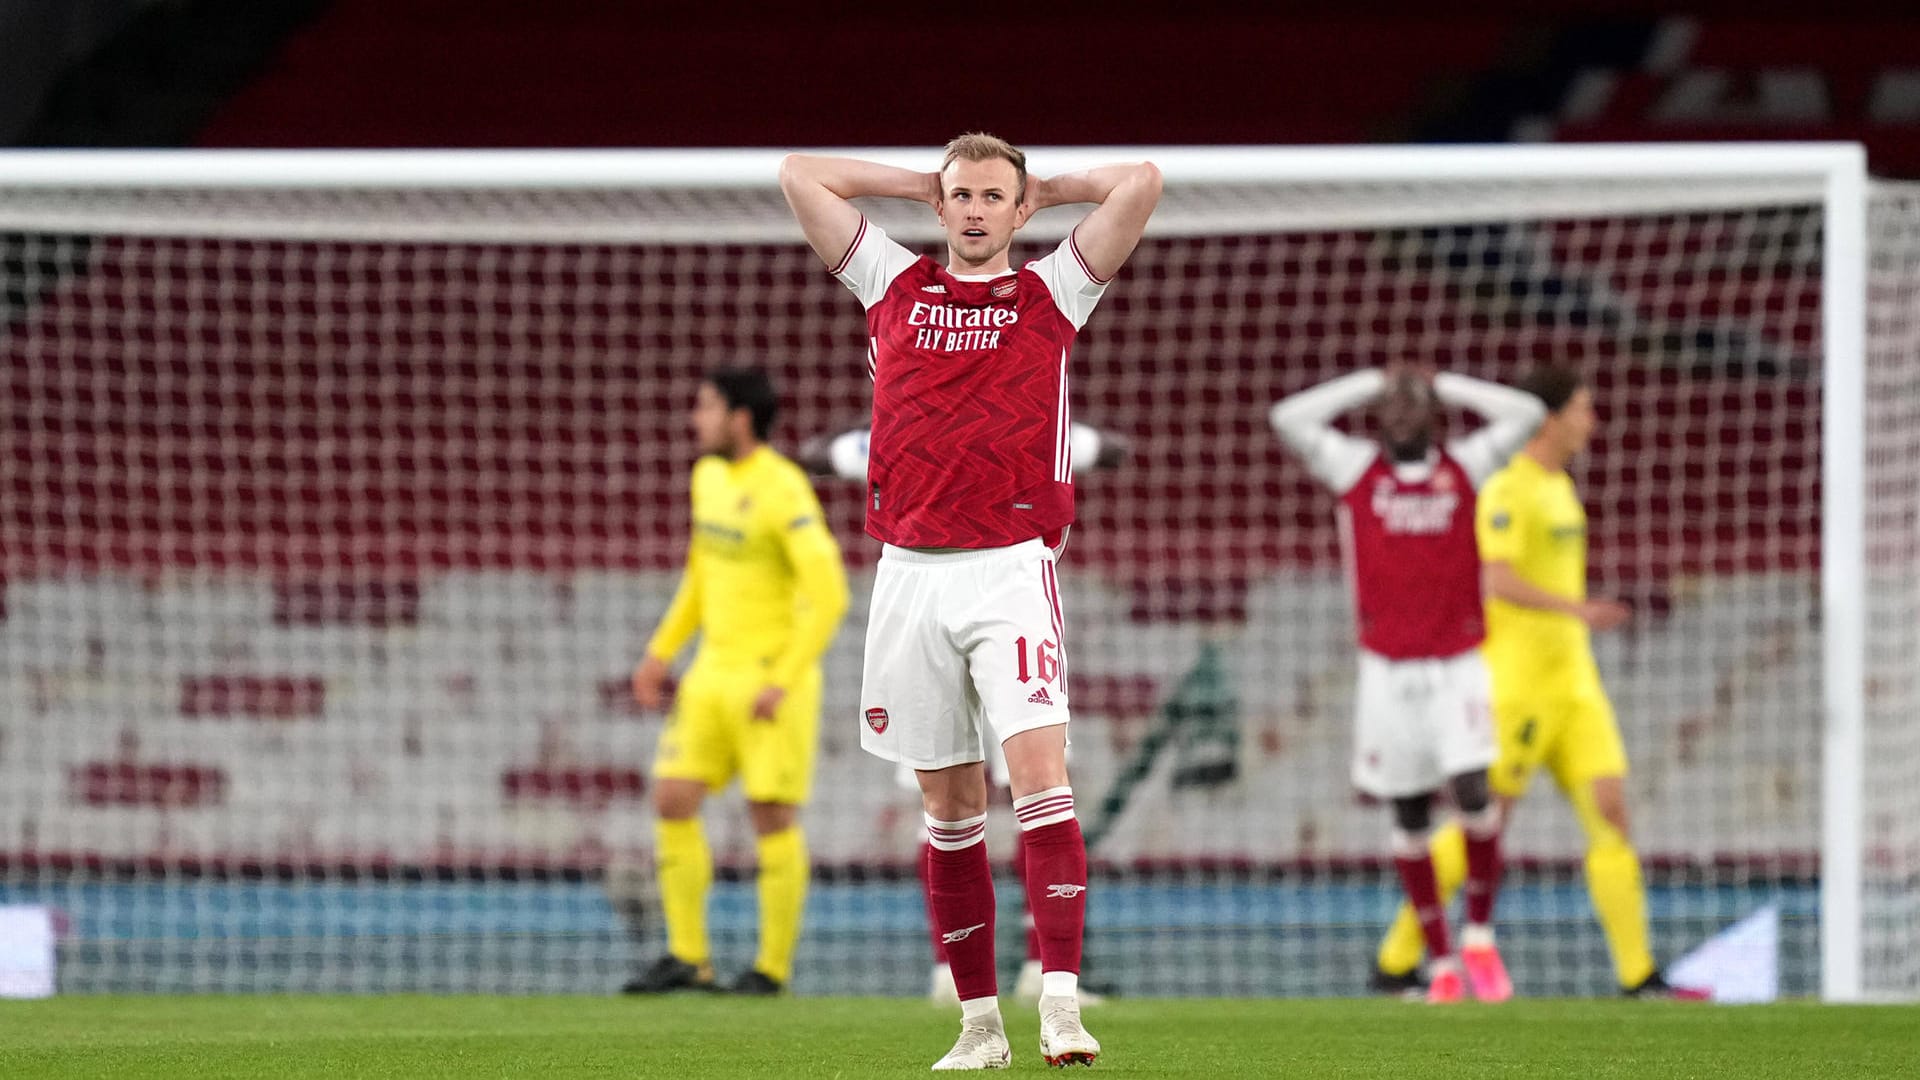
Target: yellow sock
column 783, row 897
column 1619, row 897
column 1402, row 948
column 686, row 873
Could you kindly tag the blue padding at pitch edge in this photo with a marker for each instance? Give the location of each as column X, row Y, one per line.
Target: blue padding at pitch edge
column 255, row 910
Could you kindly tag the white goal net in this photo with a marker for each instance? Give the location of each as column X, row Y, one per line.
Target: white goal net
column 336, row 511
column 1891, row 785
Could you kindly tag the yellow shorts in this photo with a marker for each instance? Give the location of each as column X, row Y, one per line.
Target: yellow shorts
column 712, row 735
column 1573, row 734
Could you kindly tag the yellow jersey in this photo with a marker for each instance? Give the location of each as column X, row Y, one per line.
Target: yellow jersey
column 1530, row 518
column 764, row 583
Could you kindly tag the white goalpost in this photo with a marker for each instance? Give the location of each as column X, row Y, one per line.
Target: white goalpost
column 342, row 490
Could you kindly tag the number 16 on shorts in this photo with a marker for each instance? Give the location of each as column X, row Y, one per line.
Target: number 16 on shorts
column 1045, row 665
column 961, row 649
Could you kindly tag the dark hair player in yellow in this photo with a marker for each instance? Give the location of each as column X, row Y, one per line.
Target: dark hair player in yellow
column 765, row 588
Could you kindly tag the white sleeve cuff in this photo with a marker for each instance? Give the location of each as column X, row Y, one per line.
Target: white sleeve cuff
column 871, row 263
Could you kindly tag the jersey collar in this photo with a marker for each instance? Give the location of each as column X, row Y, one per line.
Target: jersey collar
column 752, row 459
column 974, row 290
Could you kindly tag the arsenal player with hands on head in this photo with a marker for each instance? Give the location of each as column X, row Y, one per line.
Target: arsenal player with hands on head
column 1423, row 711
column 844, row 455
column 1550, row 709
column 970, row 489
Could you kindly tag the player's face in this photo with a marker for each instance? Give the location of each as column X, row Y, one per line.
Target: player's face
column 980, row 208
column 1576, row 421
column 711, row 426
column 1406, row 421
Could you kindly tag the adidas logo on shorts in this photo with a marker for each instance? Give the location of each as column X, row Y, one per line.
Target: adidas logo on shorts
column 1040, row 697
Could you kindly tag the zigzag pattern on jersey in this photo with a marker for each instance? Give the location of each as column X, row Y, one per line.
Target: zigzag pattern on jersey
column 967, row 445
column 1416, row 578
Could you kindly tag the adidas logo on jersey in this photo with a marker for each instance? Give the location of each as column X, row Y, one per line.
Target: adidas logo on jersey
column 1039, row 697
column 933, row 288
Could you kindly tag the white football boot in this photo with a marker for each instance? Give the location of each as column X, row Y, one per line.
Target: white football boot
column 1063, row 1041
column 982, row 1045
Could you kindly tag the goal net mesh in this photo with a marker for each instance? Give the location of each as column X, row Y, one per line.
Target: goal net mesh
column 333, row 522
column 1890, row 856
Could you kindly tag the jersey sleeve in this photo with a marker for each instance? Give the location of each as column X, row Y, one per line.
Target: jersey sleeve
column 1304, row 421
column 820, row 579
column 1511, row 417
column 1074, row 287
column 1500, row 520
column 871, row 263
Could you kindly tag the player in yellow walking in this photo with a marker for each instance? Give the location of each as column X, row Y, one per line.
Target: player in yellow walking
column 765, row 589
column 1549, row 707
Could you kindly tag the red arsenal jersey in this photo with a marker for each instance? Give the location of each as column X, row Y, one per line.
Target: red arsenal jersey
column 971, row 444
column 1415, row 563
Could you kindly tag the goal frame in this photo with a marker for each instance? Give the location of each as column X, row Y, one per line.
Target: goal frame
column 1837, row 171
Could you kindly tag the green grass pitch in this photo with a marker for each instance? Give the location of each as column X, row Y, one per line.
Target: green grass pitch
column 688, row 1038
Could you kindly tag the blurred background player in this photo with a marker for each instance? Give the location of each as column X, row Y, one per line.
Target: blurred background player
column 1548, row 704
column 970, row 488
column 766, row 589
column 845, row 456
column 1422, row 720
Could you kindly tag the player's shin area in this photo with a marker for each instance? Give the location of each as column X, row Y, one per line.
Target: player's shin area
column 1036, row 761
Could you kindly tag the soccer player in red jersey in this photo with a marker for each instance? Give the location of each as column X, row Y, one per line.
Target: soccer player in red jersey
column 1423, row 711
column 845, row 456
column 970, row 489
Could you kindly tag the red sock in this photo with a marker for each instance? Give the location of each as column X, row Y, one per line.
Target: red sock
column 960, row 896
column 1056, row 876
column 926, row 893
column 1483, row 868
column 1020, row 870
column 1415, row 865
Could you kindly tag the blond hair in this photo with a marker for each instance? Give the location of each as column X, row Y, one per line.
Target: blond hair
column 980, row 146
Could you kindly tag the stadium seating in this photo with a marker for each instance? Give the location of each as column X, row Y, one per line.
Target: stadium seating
column 480, row 737
column 411, row 553
column 1842, row 73
column 606, row 74
column 360, row 594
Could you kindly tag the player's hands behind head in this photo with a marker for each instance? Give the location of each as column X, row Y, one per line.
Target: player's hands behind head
column 1402, row 370
column 1039, row 193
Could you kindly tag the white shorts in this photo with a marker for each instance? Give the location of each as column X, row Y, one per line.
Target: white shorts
column 959, row 643
column 997, row 773
column 1419, row 723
